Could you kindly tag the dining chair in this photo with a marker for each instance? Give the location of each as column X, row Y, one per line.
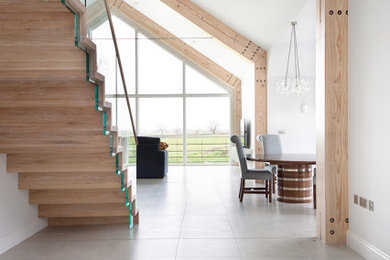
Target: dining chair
column 252, row 174
column 271, row 145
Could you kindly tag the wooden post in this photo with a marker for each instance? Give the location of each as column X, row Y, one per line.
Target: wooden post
column 260, row 102
column 332, row 120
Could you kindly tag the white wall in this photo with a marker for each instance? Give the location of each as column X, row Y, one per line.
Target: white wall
column 18, row 219
column 285, row 112
column 369, row 125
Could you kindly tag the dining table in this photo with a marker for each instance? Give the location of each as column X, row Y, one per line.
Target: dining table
column 294, row 175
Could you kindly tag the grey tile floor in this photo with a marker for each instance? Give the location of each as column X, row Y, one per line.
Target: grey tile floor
column 194, row 213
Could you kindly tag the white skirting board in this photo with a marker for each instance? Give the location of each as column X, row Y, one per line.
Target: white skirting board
column 14, row 238
column 365, row 249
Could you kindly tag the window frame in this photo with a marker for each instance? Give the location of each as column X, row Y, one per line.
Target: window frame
column 185, row 62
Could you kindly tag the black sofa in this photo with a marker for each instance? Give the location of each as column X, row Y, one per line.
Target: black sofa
column 151, row 161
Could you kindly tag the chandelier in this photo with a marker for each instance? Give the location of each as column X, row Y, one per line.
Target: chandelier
column 295, row 85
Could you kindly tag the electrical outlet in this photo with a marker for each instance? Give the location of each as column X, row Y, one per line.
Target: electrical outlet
column 356, row 199
column 363, row 202
column 371, row 205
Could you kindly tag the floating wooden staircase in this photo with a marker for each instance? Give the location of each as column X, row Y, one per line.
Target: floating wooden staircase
column 55, row 126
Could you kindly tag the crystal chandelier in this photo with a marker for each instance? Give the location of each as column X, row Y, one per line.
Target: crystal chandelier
column 296, row 85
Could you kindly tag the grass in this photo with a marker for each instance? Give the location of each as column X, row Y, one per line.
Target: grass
column 201, row 149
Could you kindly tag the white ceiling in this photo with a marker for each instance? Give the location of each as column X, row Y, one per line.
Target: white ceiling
column 265, row 22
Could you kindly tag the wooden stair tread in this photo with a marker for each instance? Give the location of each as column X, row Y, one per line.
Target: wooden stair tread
column 56, row 143
column 83, row 210
column 50, row 129
column 51, row 162
column 70, row 180
column 77, row 196
column 44, row 118
column 49, row 93
column 77, row 221
column 33, row 6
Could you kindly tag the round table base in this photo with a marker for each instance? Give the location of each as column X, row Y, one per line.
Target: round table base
column 295, row 183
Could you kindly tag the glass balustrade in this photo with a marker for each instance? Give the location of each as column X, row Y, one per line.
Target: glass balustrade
column 107, row 65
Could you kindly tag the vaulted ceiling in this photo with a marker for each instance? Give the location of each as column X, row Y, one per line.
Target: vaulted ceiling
column 263, row 21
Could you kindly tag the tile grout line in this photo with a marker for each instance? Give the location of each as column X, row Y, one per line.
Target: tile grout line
column 230, row 224
column 182, row 221
column 303, row 251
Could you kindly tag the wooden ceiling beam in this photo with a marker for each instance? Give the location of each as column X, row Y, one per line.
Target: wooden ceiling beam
column 238, row 43
column 217, row 29
column 179, row 46
column 175, row 43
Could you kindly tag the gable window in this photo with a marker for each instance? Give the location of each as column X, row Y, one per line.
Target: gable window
column 170, row 97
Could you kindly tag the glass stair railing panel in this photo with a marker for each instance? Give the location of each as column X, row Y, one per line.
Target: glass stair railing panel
column 107, row 64
column 131, row 216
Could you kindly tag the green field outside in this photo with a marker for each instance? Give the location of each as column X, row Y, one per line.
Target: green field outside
column 201, row 149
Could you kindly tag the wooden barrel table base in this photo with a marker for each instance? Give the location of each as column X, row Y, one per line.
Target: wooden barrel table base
column 295, row 183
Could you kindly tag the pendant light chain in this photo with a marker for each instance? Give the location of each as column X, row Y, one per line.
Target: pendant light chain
column 288, row 57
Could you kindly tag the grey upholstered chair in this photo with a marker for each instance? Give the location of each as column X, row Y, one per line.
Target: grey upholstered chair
column 271, row 145
column 252, row 174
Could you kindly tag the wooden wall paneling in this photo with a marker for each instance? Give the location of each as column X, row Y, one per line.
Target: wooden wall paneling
column 332, row 120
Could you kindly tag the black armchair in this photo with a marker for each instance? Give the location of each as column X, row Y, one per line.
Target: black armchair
column 151, row 161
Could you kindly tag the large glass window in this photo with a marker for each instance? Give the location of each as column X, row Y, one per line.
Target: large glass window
column 163, row 117
column 208, row 129
column 197, row 83
column 106, row 58
column 169, row 98
column 159, row 72
column 122, row 119
column 106, row 61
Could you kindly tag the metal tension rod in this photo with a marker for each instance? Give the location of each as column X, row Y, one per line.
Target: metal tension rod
column 120, row 68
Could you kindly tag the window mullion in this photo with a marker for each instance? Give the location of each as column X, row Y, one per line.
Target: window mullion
column 136, row 81
column 184, row 117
